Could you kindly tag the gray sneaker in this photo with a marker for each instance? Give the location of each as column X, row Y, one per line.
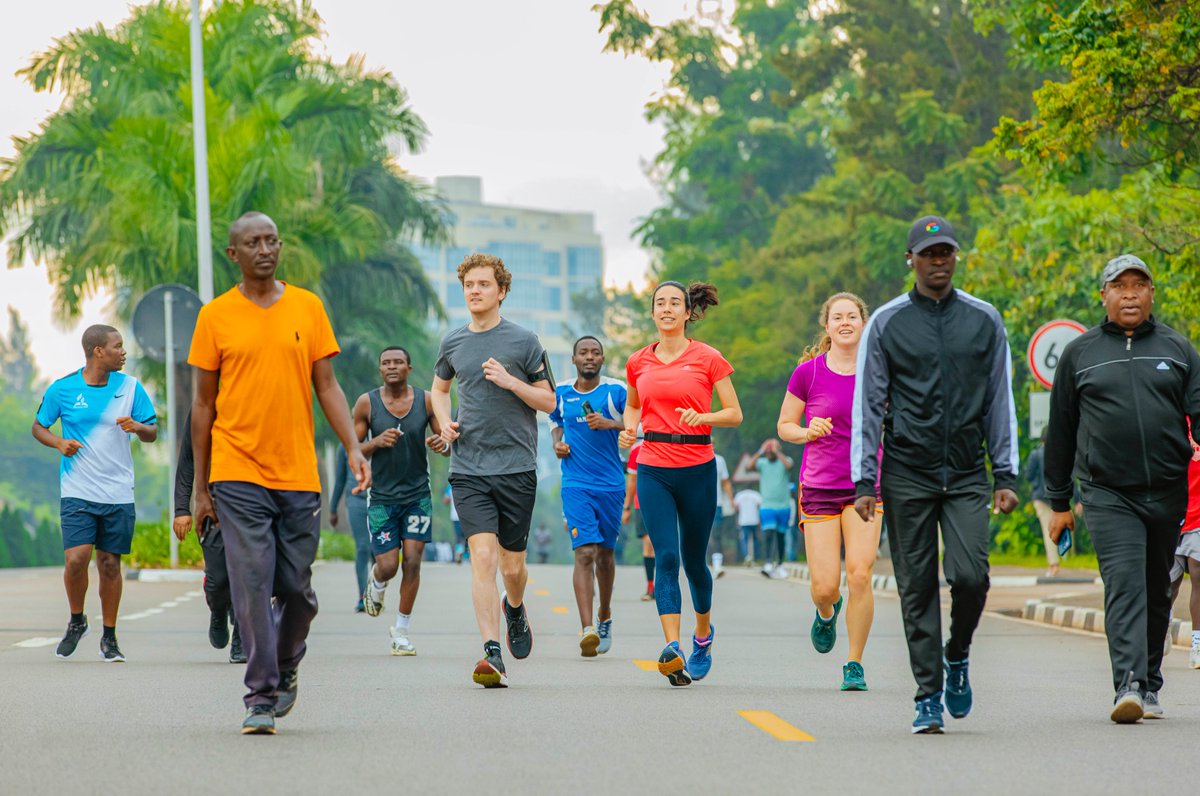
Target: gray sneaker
column 76, row 632
column 1128, row 707
column 1151, row 707
column 605, row 630
column 260, row 720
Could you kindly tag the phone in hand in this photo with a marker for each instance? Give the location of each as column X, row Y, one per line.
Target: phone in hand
column 1064, row 542
column 205, row 526
column 587, row 409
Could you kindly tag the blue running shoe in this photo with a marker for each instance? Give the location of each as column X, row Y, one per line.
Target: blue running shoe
column 853, row 678
column 929, row 716
column 824, row 631
column 671, row 666
column 605, row 630
column 958, row 687
column 700, row 661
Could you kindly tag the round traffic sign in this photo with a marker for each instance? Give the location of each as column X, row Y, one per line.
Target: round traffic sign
column 149, row 320
column 1046, row 346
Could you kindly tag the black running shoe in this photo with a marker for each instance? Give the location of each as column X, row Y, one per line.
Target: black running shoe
column 520, row 637
column 109, row 651
column 236, row 653
column 260, row 720
column 285, row 694
column 489, row 672
column 218, row 629
column 76, row 632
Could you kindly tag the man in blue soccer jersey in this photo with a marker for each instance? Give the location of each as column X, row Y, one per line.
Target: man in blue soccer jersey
column 586, row 420
column 99, row 408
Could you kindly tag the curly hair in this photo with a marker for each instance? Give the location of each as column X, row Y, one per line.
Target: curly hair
column 481, row 260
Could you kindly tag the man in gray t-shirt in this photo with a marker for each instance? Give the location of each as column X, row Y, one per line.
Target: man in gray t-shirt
column 503, row 381
column 509, row 442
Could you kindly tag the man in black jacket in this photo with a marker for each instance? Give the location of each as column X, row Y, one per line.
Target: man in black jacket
column 1123, row 392
column 216, row 573
column 934, row 379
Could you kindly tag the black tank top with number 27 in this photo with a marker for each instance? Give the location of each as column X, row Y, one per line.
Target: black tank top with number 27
column 400, row 474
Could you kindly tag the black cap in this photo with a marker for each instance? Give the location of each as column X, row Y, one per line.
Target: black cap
column 929, row 231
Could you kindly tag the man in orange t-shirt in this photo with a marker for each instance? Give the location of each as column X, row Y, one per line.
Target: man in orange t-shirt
column 260, row 350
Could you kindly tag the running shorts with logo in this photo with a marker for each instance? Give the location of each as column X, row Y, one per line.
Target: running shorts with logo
column 593, row 516
column 390, row 523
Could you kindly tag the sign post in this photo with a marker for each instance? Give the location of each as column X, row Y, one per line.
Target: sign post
column 1044, row 352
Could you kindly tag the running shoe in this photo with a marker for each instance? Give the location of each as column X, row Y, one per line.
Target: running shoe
column 520, row 636
column 1151, row 707
column 400, row 643
column 779, row 573
column 218, row 629
column 236, row 653
column 489, row 672
column 671, row 665
column 605, row 630
column 359, row 607
column 372, row 599
column 853, row 678
column 958, row 686
column 76, row 632
column 1194, row 657
column 1128, row 707
column 700, row 661
column 286, row 693
column 823, row 633
column 109, row 651
column 928, row 720
column 766, row 569
column 260, row 720
column 589, row 643
column 648, row 594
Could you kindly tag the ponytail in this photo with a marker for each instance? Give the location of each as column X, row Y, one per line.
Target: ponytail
column 697, row 297
column 824, row 342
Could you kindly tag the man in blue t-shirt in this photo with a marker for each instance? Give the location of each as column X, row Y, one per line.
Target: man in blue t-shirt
column 99, row 408
column 586, row 420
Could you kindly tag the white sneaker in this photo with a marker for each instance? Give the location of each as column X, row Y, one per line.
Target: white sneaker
column 780, row 572
column 748, row 561
column 766, row 569
column 400, row 643
column 1194, row 658
column 589, row 643
column 718, row 572
column 373, row 597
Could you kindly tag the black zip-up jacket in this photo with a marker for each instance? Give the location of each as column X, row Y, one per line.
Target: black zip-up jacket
column 1119, row 410
column 935, row 380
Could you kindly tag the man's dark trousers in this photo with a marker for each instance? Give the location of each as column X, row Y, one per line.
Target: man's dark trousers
column 913, row 511
column 271, row 539
column 216, row 572
column 1135, row 538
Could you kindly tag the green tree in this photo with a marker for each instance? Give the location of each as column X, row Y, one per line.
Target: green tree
column 103, row 192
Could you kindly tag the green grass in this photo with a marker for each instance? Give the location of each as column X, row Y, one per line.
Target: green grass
column 1080, row 561
column 151, row 548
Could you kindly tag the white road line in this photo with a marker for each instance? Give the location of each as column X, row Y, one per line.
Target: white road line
column 37, row 641
column 168, row 604
column 194, row 594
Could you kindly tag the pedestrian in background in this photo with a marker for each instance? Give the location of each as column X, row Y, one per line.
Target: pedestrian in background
column 1123, row 394
column 356, row 509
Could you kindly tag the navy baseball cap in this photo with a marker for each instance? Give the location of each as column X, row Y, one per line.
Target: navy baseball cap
column 929, row 231
column 1119, row 265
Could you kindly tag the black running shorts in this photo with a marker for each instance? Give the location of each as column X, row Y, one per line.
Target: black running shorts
column 499, row 504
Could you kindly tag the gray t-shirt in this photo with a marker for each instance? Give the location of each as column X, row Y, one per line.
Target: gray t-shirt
column 499, row 431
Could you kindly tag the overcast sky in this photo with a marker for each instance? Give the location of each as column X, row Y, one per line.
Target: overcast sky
column 517, row 92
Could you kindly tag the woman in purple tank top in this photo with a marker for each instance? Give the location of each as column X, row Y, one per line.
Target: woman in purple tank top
column 821, row 390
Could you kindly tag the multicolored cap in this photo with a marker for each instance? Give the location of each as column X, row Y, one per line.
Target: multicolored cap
column 1119, row 265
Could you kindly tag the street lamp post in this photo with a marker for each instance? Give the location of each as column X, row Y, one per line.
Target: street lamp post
column 200, row 146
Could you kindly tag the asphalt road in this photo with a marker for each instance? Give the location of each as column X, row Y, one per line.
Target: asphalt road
column 167, row 721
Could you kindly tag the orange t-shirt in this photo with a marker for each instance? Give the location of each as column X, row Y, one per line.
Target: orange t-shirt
column 263, row 433
column 687, row 382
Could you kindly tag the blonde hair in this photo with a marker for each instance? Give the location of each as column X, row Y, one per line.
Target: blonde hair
column 824, row 343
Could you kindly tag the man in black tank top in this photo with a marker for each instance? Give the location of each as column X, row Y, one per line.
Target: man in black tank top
column 395, row 424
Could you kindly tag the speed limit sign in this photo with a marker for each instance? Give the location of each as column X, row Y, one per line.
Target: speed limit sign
column 1046, row 346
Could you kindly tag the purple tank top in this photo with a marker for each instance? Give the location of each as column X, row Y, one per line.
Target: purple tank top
column 826, row 462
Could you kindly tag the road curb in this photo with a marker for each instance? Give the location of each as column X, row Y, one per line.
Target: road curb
column 165, row 575
column 888, row 582
column 1091, row 620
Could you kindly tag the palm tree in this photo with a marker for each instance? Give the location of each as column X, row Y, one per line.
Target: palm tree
column 103, row 193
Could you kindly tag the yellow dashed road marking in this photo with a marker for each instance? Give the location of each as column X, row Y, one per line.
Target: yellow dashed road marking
column 771, row 724
column 646, row 666
column 560, row 609
column 542, row 593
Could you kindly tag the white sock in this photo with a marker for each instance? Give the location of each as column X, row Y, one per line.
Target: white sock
column 718, row 559
column 376, row 585
column 1196, row 639
column 402, row 621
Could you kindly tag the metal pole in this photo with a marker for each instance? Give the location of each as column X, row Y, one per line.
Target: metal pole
column 172, row 421
column 200, row 146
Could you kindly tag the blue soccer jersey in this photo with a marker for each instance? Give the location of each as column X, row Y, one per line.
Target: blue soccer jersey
column 594, row 462
column 102, row 470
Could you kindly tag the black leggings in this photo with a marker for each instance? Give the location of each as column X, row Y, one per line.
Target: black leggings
column 678, row 506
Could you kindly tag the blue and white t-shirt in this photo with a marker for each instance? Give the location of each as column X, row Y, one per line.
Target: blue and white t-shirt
column 595, row 462
column 102, row 470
